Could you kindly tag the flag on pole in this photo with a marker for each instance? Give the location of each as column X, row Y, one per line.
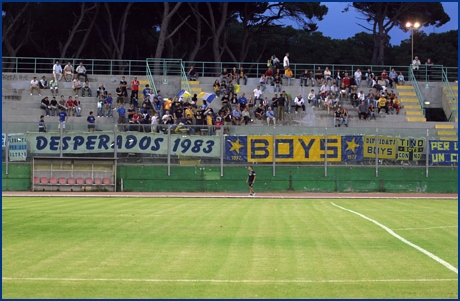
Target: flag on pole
column 183, row 93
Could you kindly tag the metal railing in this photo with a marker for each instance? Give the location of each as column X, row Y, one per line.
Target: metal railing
column 418, row 93
column 173, row 67
column 452, row 100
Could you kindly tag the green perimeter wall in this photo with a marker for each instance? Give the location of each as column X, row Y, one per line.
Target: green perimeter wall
column 308, row 179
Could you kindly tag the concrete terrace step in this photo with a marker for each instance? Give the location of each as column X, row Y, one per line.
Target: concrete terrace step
column 444, row 126
column 404, row 93
column 447, row 133
column 416, row 119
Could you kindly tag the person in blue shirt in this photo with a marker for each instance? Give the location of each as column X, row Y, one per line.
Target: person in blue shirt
column 242, row 101
column 91, row 122
column 121, row 115
column 270, row 114
column 109, row 107
column 147, row 91
column 62, row 118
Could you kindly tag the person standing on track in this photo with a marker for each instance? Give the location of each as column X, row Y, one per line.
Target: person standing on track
column 251, row 179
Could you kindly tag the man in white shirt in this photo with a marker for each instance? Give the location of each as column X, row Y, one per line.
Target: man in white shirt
column 415, row 66
column 358, row 75
column 312, row 98
column 34, row 86
column 299, row 103
column 57, row 71
column 286, row 61
column 256, row 95
column 81, row 71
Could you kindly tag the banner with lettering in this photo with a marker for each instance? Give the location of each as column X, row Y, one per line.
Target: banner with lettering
column 127, row 142
column 443, row 152
column 386, row 147
column 17, row 146
column 283, row 149
column 410, row 149
column 352, row 148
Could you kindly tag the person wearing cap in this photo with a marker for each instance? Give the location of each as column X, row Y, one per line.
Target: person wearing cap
column 54, row 106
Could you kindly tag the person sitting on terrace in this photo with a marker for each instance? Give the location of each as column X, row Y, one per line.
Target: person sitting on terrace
column 237, row 116
column 304, row 78
column 299, row 103
column 262, row 83
column 288, row 74
column 223, row 87
column 382, row 104
column 54, row 87
column 76, row 85
column 34, row 86
column 192, row 74
column 384, row 77
column 354, row 98
column 68, row 72
column 86, row 89
column 216, row 87
column 70, row 106
column 269, row 76
column 270, row 116
column 397, row 104
column 401, row 80
column 224, row 76
column 278, row 84
column 319, row 76
column 43, row 83
column 363, row 110
column 81, row 71
column 327, row 75
column 312, row 98
column 260, row 112
column 242, row 75
column 324, row 89
column 338, row 117
column 45, row 105
column 371, row 111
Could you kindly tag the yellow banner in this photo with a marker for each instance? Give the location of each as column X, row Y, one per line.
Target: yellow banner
column 294, row 149
column 410, row 148
column 386, row 149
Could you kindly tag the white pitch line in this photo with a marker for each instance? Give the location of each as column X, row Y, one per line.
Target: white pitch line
column 431, row 255
column 427, row 228
column 227, row 280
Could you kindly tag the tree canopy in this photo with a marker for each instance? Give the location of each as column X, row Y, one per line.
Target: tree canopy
column 214, row 31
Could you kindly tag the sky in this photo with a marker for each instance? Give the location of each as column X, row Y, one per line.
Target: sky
column 338, row 25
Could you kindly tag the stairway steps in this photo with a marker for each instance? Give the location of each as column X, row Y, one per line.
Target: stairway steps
column 418, row 113
column 444, row 126
column 448, row 138
column 416, row 119
column 447, row 133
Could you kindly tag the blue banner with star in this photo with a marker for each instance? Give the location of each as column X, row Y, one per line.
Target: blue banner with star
column 236, row 148
column 352, row 148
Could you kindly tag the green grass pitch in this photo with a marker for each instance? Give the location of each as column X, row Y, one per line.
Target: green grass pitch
column 227, row 248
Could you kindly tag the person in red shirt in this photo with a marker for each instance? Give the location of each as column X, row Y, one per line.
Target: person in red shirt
column 269, row 76
column 135, row 88
column 70, row 106
column 346, row 83
column 384, row 76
